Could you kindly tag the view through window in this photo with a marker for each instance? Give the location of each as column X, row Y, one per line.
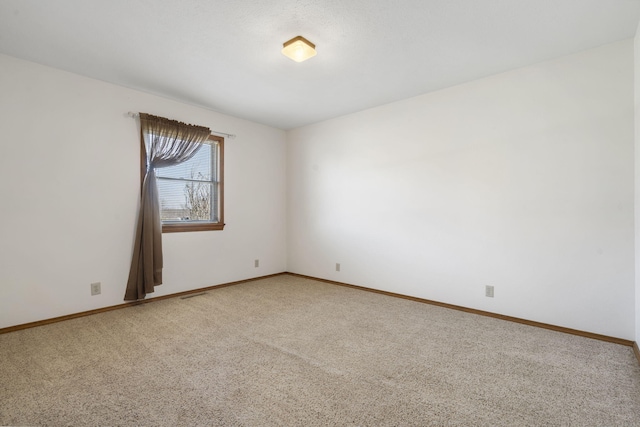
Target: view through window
column 190, row 193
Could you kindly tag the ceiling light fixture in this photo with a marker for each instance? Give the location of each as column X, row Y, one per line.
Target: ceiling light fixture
column 299, row 49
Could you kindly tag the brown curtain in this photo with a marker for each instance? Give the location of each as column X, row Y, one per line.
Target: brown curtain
column 166, row 143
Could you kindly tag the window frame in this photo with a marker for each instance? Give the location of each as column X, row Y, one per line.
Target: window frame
column 181, row 227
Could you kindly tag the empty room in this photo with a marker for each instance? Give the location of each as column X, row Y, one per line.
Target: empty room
column 311, row 213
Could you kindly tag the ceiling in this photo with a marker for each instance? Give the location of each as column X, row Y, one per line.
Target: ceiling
column 224, row 55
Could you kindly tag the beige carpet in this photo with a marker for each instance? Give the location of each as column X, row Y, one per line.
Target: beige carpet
column 287, row 351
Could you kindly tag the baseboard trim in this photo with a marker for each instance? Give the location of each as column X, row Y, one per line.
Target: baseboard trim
column 591, row 335
column 127, row 304
column 486, row 313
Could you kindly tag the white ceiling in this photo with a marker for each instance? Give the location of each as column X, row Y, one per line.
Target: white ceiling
column 225, row 55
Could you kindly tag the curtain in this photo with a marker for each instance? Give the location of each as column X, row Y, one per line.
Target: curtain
column 165, row 143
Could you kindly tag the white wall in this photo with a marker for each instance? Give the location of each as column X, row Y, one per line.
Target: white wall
column 69, row 188
column 522, row 180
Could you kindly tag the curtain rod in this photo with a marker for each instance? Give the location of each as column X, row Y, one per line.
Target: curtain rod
column 228, row 135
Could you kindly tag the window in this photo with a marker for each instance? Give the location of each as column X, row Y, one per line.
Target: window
column 191, row 193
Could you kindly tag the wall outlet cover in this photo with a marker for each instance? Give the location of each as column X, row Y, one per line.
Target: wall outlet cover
column 488, row 291
column 95, row 288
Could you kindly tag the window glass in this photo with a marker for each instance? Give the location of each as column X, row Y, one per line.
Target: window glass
column 190, row 193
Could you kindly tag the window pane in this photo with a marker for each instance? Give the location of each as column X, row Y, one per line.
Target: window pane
column 185, row 200
column 198, row 167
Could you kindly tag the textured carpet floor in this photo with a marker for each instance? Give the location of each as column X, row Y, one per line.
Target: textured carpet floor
column 287, row 351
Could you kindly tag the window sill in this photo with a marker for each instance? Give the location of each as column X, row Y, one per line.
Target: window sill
column 182, row 228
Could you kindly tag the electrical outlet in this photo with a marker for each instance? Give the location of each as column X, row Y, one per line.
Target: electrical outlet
column 95, row 288
column 337, row 266
column 256, row 263
column 488, row 291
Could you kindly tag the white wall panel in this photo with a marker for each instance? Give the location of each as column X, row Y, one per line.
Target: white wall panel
column 69, row 189
column 522, row 180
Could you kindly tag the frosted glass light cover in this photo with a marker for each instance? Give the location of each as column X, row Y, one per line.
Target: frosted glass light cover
column 299, row 49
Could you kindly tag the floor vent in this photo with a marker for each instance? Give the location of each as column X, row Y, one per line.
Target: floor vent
column 193, row 295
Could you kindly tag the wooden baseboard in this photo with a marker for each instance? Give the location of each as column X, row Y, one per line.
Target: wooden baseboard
column 127, row 304
column 615, row 340
column 486, row 313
